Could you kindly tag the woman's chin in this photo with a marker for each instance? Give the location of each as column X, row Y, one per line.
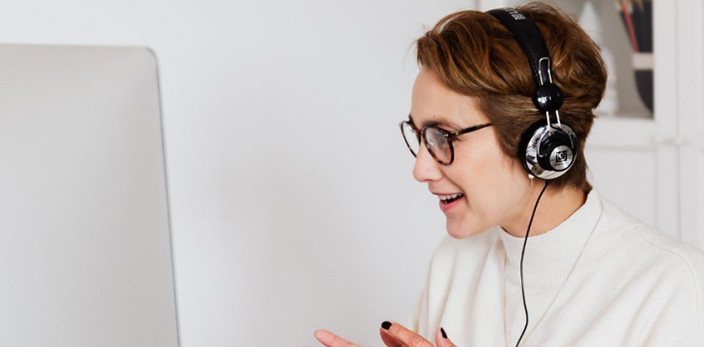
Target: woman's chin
column 460, row 230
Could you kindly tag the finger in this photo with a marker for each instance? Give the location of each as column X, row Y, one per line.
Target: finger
column 402, row 337
column 442, row 340
column 389, row 340
column 331, row 340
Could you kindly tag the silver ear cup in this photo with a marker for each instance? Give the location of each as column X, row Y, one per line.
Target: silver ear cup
column 561, row 158
column 551, row 151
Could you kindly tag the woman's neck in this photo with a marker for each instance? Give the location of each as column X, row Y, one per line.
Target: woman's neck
column 554, row 208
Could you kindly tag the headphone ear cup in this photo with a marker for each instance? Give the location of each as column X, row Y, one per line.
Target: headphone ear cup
column 556, row 151
column 548, row 152
column 529, row 159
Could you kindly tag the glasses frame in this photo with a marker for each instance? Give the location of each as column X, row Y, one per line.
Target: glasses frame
column 448, row 135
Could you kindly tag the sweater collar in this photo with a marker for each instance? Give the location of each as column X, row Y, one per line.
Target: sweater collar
column 550, row 257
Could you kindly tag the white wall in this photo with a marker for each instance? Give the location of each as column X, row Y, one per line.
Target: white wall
column 292, row 199
column 293, row 204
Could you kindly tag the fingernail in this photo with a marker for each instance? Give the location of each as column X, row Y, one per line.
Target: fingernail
column 386, row 325
column 442, row 331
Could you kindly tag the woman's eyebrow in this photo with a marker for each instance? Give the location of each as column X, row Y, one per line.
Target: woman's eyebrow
column 438, row 123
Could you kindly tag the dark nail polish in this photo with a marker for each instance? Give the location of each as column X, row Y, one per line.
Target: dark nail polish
column 442, row 331
column 386, row 325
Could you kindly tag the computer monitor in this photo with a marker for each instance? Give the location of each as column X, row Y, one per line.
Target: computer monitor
column 85, row 244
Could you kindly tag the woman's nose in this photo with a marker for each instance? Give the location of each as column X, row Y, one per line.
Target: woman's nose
column 426, row 167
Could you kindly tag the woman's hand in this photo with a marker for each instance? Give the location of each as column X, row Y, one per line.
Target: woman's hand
column 393, row 335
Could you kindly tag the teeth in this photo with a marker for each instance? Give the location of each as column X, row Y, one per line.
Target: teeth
column 448, row 197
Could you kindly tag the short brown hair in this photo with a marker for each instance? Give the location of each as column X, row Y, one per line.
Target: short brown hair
column 474, row 54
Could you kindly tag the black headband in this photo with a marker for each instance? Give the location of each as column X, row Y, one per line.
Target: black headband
column 548, row 97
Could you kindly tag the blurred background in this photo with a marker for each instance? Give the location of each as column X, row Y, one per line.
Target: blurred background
column 292, row 202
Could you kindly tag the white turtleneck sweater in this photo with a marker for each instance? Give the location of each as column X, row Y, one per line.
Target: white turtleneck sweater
column 600, row 278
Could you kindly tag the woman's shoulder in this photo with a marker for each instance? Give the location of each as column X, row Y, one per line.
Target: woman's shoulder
column 649, row 268
column 634, row 242
column 645, row 237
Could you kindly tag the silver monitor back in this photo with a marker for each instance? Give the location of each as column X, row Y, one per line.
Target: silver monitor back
column 85, row 245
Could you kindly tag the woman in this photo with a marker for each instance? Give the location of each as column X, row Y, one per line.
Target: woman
column 502, row 148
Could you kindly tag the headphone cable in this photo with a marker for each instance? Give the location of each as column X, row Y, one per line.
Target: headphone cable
column 523, row 292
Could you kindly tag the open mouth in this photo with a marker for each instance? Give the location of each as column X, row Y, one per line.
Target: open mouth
column 446, row 199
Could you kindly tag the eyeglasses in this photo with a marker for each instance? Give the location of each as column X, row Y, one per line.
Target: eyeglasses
column 437, row 141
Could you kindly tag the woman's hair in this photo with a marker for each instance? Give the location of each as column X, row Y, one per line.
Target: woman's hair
column 474, row 54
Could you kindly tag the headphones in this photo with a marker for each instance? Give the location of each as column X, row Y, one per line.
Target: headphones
column 547, row 149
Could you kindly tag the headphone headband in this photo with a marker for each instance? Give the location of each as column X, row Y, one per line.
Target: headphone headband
column 530, row 39
column 548, row 97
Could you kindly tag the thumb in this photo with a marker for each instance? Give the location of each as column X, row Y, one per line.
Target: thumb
column 442, row 340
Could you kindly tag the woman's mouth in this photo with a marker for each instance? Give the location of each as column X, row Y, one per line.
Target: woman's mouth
column 449, row 201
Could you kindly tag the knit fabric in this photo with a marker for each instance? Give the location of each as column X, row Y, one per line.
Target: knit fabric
column 600, row 278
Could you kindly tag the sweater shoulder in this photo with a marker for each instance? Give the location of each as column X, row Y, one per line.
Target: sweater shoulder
column 656, row 268
column 650, row 243
column 639, row 249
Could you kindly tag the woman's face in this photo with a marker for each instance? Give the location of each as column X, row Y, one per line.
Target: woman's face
column 495, row 187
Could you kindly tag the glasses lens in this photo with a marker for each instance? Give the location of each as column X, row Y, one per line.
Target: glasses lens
column 411, row 137
column 438, row 145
